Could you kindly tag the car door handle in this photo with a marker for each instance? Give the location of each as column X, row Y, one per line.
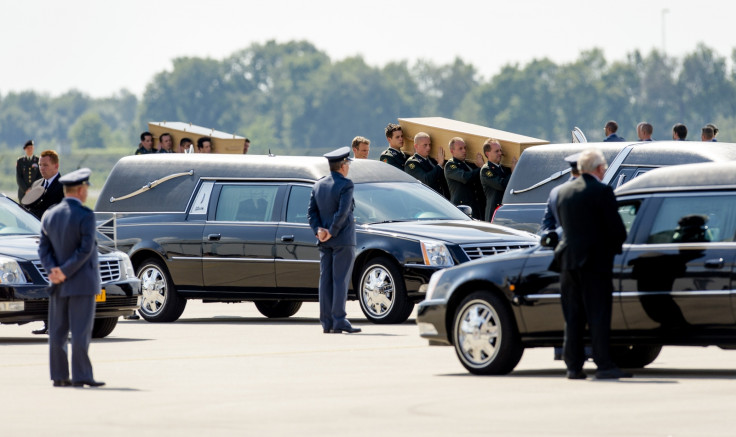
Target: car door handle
column 214, row 237
column 715, row 263
column 287, row 238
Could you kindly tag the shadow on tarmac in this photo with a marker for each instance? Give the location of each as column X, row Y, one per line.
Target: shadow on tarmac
column 45, row 339
column 641, row 376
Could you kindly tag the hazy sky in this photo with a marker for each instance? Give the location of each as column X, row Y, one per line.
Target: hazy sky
column 102, row 46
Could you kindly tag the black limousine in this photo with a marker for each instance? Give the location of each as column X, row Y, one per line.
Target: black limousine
column 24, row 282
column 229, row 228
column 673, row 283
column 541, row 168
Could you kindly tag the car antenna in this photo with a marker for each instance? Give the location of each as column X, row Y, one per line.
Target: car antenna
column 269, row 152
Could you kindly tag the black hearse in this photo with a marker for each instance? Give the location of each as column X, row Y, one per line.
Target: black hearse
column 228, row 228
column 541, row 168
column 673, row 282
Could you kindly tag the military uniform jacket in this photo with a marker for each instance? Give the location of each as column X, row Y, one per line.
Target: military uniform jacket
column 613, row 138
column 142, row 151
column 331, row 207
column 397, row 158
column 429, row 172
column 494, row 179
column 465, row 189
column 26, row 172
column 68, row 241
column 53, row 195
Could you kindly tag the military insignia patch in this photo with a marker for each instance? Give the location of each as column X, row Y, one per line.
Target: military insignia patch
column 411, row 166
column 488, row 172
column 385, row 160
column 453, row 166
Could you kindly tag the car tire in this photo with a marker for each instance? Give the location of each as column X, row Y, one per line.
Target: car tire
column 104, row 327
column 160, row 301
column 635, row 356
column 382, row 292
column 274, row 309
column 485, row 335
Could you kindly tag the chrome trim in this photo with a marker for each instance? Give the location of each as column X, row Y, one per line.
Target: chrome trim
column 310, row 261
column 616, row 163
column 213, row 258
column 109, row 269
column 677, row 293
column 151, row 185
column 482, row 250
column 550, row 178
column 542, row 296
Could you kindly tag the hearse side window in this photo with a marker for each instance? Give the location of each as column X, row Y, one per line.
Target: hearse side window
column 246, row 203
column 199, row 206
column 296, row 210
column 691, row 219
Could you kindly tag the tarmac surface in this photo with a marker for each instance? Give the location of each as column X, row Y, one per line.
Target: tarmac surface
column 223, row 370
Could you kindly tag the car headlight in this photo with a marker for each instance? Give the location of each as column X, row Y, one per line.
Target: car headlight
column 432, row 286
column 127, row 265
column 436, row 254
column 10, row 272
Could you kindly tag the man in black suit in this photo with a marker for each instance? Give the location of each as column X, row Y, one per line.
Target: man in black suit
column 593, row 234
column 425, row 168
column 68, row 251
column 330, row 216
column 49, row 188
column 610, row 132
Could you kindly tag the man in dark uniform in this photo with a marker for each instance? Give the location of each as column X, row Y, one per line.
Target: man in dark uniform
column 425, row 168
column 394, row 155
column 551, row 220
column 464, row 180
column 166, row 142
column 49, row 188
column 494, row 177
column 26, row 170
column 610, row 132
column 593, row 233
column 146, row 145
column 330, row 216
column 679, row 132
column 68, row 251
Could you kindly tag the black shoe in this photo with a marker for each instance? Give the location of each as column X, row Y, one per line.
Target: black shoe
column 614, row 373
column 89, row 383
column 133, row 316
column 40, row 331
column 329, row 331
column 349, row 330
column 576, row 374
column 62, row 383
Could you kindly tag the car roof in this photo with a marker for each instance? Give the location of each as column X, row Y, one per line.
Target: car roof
column 131, row 173
column 538, row 163
column 688, row 177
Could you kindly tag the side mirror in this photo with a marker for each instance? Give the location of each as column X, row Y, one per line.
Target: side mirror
column 466, row 210
column 549, row 239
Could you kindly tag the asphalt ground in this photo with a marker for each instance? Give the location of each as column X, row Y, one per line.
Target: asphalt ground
column 224, row 370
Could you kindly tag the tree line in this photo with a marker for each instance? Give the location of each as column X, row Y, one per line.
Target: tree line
column 291, row 98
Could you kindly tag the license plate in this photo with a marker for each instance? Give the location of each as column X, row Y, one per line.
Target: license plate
column 101, row 297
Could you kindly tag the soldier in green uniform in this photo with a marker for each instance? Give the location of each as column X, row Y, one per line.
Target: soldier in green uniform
column 394, row 155
column 463, row 178
column 494, row 177
column 26, row 170
column 425, row 168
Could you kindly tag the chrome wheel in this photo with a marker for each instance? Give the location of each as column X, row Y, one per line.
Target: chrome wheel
column 485, row 334
column 153, row 290
column 377, row 291
column 160, row 301
column 382, row 292
column 479, row 333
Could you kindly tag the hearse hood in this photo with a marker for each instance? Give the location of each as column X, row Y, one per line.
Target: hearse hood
column 453, row 231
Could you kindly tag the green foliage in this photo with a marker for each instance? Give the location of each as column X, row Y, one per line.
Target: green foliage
column 290, row 98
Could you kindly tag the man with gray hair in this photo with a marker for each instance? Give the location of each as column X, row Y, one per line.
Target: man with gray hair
column 644, row 130
column 425, row 168
column 593, row 233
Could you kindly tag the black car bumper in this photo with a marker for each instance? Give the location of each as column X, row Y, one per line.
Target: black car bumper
column 121, row 299
column 415, row 276
column 431, row 322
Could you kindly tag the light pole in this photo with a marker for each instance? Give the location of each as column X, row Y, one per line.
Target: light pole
column 664, row 48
